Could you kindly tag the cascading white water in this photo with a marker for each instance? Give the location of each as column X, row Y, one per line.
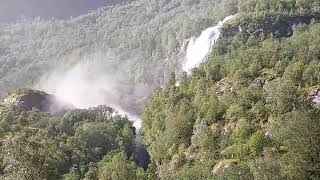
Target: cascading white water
column 198, row 49
column 91, row 82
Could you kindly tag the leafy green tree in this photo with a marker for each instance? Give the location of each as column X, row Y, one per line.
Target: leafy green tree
column 235, row 112
column 259, row 111
column 117, row 167
column 282, row 96
column 201, row 135
column 74, row 174
column 267, row 169
column 256, row 143
column 31, row 155
column 311, row 75
column 300, row 135
column 294, row 72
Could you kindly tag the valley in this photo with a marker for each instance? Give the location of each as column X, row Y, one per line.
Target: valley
column 169, row 89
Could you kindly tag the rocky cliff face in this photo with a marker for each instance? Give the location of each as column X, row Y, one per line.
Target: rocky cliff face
column 28, row 99
column 280, row 26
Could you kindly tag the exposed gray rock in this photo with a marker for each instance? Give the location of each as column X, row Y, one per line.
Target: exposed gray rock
column 28, row 99
column 314, row 95
column 224, row 165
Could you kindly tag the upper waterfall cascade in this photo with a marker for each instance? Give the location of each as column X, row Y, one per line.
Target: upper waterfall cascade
column 199, row 48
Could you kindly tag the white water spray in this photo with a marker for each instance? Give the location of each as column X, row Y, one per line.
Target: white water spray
column 90, row 83
column 94, row 82
column 198, row 49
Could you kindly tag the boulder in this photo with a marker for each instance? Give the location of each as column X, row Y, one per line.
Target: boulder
column 314, row 95
column 224, row 165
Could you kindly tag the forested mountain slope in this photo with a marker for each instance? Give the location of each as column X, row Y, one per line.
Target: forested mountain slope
column 252, row 110
column 135, row 41
column 80, row 144
column 130, row 44
column 10, row 10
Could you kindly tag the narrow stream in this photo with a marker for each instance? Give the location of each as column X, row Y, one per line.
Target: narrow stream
column 140, row 152
column 143, row 158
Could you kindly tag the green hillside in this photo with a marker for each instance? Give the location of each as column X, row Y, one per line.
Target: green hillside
column 249, row 112
column 134, row 39
column 38, row 145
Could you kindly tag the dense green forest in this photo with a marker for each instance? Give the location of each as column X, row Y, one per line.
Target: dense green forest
column 248, row 112
column 81, row 144
column 11, row 10
column 251, row 111
column 137, row 39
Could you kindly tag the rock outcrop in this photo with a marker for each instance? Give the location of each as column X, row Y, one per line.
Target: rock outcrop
column 224, row 165
column 27, row 99
column 314, row 95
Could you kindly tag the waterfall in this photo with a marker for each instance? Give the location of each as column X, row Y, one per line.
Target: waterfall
column 198, row 49
column 93, row 81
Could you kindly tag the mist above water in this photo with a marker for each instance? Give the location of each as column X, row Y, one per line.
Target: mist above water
column 100, row 80
column 103, row 80
column 198, row 49
column 95, row 81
